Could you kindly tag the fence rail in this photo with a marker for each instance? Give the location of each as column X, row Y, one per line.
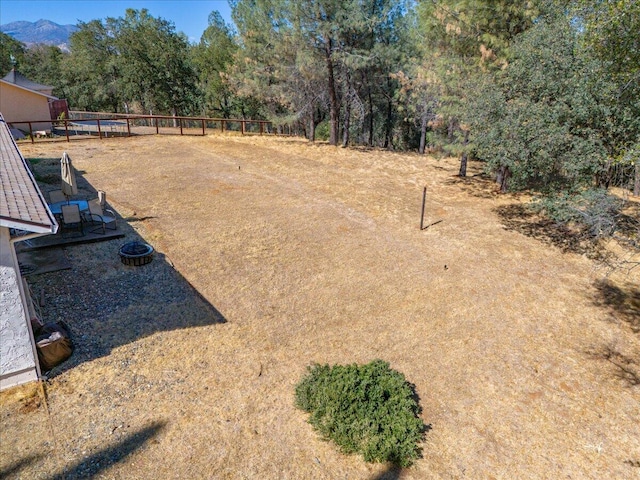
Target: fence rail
column 82, row 124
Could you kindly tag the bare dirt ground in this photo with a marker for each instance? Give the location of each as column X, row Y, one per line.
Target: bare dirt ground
column 525, row 356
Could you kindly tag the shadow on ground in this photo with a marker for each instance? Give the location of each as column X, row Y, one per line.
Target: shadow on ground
column 479, row 185
column 16, row 467
column 622, row 302
column 522, row 219
column 107, row 304
column 625, row 368
column 394, row 472
column 107, row 457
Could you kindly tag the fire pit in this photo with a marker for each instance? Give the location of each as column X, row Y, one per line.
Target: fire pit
column 136, row 253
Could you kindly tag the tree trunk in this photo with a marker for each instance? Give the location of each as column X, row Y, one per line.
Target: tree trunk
column 502, row 178
column 423, row 133
column 463, row 165
column 463, row 158
column 333, row 96
column 388, row 124
column 370, row 141
column 312, row 128
column 347, row 124
column 604, row 177
column 451, row 129
column 388, row 130
column 347, row 112
column 636, row 184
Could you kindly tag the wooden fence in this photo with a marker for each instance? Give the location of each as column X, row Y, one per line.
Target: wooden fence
column 102, row 125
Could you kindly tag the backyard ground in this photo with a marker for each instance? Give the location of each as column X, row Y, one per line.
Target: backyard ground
column 273, row 254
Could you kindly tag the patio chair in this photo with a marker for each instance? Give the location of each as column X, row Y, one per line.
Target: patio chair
column 56, row 196
column 102, row 218
column 71, row 219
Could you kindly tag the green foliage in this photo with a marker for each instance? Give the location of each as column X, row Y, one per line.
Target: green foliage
column 544, row 116
column 322, row 131
column 369, row 409
column 212, row 59
column 153, row 63
column 317, row 59
column 91, row 72
column 595, row 209
column 43, row 64
column 11, row 50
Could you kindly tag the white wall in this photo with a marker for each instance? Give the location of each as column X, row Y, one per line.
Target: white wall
column 17, row 353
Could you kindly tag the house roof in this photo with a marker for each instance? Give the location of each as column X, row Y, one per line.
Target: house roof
column 20, row 87
column 19, row 79
column 22, row 205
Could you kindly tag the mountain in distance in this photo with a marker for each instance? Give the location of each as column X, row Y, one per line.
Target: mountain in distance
column 42, row 31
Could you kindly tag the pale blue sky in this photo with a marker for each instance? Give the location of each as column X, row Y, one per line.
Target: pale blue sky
column 188, row 16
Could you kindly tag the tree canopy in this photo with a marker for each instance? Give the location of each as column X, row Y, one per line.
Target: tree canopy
column 545, row 92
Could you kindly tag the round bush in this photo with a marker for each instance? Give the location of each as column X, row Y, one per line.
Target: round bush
column 370, row 409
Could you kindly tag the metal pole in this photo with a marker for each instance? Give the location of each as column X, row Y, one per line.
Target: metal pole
column 424, row 198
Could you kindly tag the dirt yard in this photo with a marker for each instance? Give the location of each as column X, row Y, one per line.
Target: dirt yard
column 525, row 355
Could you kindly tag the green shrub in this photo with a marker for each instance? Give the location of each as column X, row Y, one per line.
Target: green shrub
column 595, row 209
column 369, row 409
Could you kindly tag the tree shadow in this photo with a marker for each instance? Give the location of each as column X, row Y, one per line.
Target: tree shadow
column 622, row 302
column 628, row 221
column 106, row 458
column 626, row 369
column 479, row 185
column 106, row 304
column 15, row 467
column 523, row 219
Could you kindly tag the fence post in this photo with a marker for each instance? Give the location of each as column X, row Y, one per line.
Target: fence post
column 157, row 129
column 424, row 198
column 242, row 127
column 31, row 133
column 128, row 128
column 99, row 131
column 203, row 123
column 180, row 121
column 222, row 125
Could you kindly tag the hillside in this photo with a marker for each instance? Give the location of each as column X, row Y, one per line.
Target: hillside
column 42, row 31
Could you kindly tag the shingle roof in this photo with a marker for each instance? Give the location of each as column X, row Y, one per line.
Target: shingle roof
column 17, row 78
column 22, row 205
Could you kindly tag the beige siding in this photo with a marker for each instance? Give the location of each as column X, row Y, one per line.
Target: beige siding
column 18, row 104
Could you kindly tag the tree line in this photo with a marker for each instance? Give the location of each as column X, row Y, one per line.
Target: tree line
column 545, row 92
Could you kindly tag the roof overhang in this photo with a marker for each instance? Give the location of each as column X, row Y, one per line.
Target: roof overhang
column 22, row 205
column 49, row 97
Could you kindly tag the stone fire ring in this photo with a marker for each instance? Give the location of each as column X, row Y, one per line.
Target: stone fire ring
column 136, row 253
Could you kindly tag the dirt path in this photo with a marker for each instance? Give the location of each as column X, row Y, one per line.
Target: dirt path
column 313, row 254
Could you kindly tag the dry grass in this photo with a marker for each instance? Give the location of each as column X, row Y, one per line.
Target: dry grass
column 522, row 355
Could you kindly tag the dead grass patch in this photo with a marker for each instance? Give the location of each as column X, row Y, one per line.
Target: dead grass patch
column 314, row 254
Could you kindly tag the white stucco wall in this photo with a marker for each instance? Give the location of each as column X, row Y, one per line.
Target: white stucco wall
column 17, row 356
